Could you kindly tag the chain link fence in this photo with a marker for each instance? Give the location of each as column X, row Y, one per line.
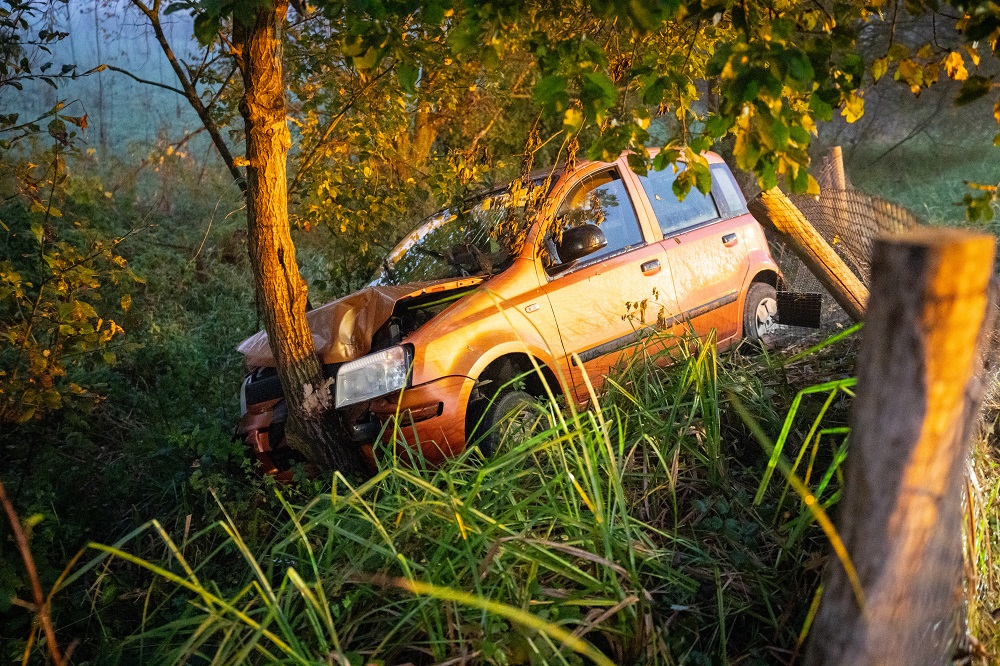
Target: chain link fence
column 849, row 220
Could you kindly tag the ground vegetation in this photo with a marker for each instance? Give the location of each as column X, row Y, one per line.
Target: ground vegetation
column 630, row 533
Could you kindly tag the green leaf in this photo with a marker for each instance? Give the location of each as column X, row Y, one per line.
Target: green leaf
column 716, row 126
column 703, row 177
column 206, row 27
column 550, row 92
column 979, row 208
column 637, row 164
column 665, row 158
column 57, row 128
column 773, row 135
column 973, row 88
column 799, row 67
column 821, row 110
column 599, row 91
column 799, row 135
column 407, row 74
column 369, row 60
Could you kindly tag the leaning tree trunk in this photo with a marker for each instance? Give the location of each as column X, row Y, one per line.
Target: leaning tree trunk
column 312, row 425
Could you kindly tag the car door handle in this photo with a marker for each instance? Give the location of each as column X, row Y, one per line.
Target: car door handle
column 729, row 240
column 650, row 266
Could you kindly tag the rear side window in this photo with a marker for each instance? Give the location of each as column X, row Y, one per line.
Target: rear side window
column 674, row 215
column 727, row 193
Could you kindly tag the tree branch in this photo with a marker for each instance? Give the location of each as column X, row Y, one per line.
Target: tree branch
column 146, row 81
column 190, row 92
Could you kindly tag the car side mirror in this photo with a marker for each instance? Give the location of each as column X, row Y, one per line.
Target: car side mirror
column 578, row 242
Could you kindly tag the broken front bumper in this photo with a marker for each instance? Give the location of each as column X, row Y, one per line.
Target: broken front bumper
column 429, row 418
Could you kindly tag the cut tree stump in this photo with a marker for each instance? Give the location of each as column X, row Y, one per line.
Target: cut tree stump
column 917, row 403
column 776, row 211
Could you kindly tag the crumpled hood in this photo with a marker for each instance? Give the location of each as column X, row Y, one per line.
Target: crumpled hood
column 342, row 330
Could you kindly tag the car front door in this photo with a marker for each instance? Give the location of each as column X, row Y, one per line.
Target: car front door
column 705, row 253
column 610, row 301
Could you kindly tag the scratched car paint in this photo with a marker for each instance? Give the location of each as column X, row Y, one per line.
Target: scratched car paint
column 480, row 295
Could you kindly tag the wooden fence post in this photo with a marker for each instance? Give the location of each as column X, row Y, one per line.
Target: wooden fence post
column 838, row 177
column 917, row 403
column 776, row 211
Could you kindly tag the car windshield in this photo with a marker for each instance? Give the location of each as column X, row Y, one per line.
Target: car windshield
column 479, row 237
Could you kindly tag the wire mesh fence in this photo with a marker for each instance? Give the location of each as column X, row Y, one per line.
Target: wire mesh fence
column 849, row 221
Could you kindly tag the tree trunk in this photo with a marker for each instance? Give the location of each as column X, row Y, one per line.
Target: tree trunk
column 415, row 146
column 917, row 403
column 313, row 424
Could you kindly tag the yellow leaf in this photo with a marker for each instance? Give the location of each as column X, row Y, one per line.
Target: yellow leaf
column 573, row 119
column 996, row 111
column 909, row 71
column 931, row 72
column 854, row 107
column 126, row 302
column 813, row 187
column 954, row 65
column 973, row 54
column 879, row 68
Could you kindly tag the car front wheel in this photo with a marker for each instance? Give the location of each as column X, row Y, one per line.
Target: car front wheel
column 513, row 413
column 760, row 314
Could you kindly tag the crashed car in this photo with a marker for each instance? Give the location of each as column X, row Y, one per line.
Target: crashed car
column 546, row 281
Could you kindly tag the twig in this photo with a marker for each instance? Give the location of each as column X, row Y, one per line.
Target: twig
column 207, row 231
column 41, row 605
column 146, row 81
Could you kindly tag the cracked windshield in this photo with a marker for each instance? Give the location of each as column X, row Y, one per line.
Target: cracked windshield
column 480, row 237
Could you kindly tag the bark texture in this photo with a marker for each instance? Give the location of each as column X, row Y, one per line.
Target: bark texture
column 777, row 212
column 312, row 421
column 918, row 398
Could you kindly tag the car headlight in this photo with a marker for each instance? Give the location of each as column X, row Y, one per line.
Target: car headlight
column 372, row 376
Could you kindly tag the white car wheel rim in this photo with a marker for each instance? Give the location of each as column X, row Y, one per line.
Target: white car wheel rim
column 766, row 316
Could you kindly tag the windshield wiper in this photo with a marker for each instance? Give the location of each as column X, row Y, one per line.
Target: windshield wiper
column 441, row 256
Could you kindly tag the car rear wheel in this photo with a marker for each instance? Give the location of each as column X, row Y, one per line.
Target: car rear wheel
column 513, row 414
column 760, row 314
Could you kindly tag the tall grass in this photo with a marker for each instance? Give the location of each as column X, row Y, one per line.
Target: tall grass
column 625, row 534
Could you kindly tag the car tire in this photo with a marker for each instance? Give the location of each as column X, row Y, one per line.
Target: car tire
column 760, row 314
column 511, row 409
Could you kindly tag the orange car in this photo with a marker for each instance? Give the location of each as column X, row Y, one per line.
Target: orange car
column 465, row 302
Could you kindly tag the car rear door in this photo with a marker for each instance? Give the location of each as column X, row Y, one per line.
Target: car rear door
column 705, row 250
column 611, row 301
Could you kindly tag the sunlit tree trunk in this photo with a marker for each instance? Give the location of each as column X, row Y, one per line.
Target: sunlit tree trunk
column 312, row 422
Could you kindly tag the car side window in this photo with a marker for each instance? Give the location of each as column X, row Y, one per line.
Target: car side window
column 600, row 199
column 674, row 215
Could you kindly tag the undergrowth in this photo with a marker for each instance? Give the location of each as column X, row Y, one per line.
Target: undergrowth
column 626, row 534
